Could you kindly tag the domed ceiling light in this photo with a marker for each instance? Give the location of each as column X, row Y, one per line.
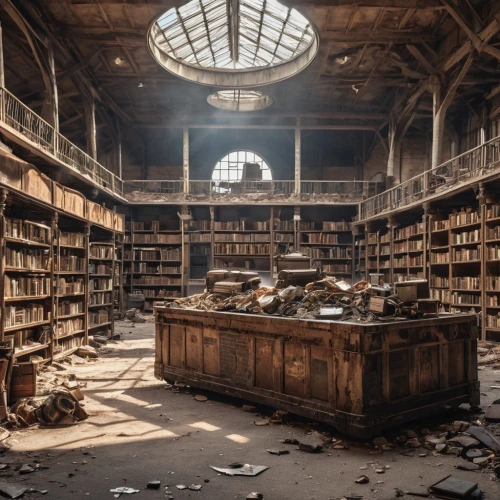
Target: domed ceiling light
column 233, row 43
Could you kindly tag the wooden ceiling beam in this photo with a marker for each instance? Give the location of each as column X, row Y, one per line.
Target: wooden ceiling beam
column 388, row 4
column 133, row 38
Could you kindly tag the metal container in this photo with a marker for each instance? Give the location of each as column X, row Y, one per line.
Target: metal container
column 361, row 378
column 294, row 260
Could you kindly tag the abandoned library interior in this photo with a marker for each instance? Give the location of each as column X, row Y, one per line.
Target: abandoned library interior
column 250, row 249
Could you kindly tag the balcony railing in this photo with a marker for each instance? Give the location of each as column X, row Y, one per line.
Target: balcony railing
column 344, row 190
column 269, row 191
column 475, row 164
column 27, row 125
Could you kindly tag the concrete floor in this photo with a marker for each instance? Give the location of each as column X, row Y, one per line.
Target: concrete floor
column 139, row 431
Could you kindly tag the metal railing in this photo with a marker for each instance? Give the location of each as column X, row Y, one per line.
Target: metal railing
column 26, row 123
column 214, row 188
column 342, row 189
column 136, row 188
column 476, row 163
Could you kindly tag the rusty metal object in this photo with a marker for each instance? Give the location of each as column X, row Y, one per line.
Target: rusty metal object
column 361, row 378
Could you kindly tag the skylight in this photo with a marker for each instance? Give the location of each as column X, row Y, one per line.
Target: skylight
column 239, row 100
column 234, row 35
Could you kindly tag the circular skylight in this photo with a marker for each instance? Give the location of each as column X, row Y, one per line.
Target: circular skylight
column 239, row 100
column 233, row 43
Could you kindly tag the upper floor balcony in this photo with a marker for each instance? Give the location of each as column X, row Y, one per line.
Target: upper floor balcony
column 263, row 192
column 476, row 165
column 25, row 127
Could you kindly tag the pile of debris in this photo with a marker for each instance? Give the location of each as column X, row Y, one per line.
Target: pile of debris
column 324, row 298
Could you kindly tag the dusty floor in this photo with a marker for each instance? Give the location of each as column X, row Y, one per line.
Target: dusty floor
column 139, row 431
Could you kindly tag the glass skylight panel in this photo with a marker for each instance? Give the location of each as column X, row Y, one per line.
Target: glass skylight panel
column 198, row 33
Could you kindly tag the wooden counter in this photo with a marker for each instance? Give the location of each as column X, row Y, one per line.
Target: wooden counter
column 359, row 377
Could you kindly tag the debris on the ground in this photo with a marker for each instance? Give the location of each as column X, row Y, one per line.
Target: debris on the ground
column 246, row 470
column 26, row 469
column 310, row 448
column 468, row 466
column 262, row 421
column 200, row 398
column 362, row 480
column 453, row 487
column 136, row 316
column 491, row 356
column 418, row 491
column 195, row 487
column 493, row 412
column 60, row 407
column 86, row 351
column 278, row 416
column 154, row 485
column 278, row 452
column 484, row 436
column 12, row 490
column 181, row 487
column 249, row 408
column 255, row 496
column 124, row 490
column 398, row 492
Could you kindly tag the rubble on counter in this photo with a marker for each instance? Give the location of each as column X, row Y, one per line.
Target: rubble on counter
column 325, row 298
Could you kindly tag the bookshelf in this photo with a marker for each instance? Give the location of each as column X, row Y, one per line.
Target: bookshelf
column 28, row 297
column 153, row 251
column 409, row 252
column 325, row 235
column 118, row 277
column 465, row 239
column 71, row 286
column 242, row 240
column 101, row 290
column 439, row 260
column 491, row 271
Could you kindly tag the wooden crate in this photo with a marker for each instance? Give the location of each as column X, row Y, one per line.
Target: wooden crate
column 23, row 381
column 36, row 184
column 361, row 378
column 10, row 170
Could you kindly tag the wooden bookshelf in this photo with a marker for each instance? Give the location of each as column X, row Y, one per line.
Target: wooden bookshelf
column 71, row 283
column 101, row 286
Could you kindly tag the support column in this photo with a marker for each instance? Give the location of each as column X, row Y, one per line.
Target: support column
column 438, row 116
column 119, row 160
column 298, row 157
column 89, row 106
column 2, row 67
column 185, row 159
column 441, row 103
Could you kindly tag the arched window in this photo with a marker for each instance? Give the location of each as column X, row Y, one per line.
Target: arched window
column 230, row 167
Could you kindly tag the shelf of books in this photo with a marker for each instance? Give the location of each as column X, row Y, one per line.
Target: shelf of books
column 409, row 256
column 198, row 237
column 157, row 256
column 71, row 286
column 465, row 260
column 118, row 277
column 325, row 235
column 242, row 240
column 101, row 267
column 284, row 233
column 439, row 260
column 27, row 298
column 491, row 270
